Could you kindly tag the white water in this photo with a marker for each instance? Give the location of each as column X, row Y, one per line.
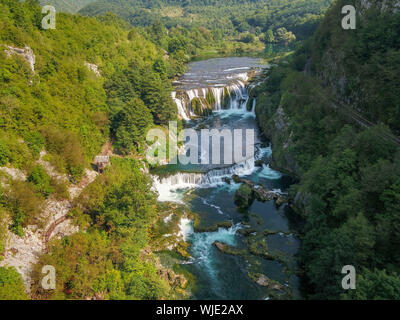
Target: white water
column 238, row 96
column 181, row 107
column 202, row 246
column 172, row 188
column 269, row 173
column 185, row 228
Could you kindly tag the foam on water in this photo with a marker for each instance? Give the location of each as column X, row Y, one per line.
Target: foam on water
column 212, row 205
column 202, row 246
column 172, row 188
column 269, row 173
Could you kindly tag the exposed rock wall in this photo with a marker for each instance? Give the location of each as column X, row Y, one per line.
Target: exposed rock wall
column 26, row 53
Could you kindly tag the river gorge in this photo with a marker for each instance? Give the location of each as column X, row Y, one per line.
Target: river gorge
column 231, row 253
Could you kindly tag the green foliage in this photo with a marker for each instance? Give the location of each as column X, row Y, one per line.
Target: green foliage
column 368, row 60
column 107, row 261
column 11, row 286
column 70, row 6
column 4, row 153
column 348, row 175
column 63, row 106
column 376, row 285
column 230, row 17
column 41, row 181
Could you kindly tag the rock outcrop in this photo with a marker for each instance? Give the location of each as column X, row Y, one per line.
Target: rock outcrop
column 94, row 68
column 249, row 192
column 26, row 53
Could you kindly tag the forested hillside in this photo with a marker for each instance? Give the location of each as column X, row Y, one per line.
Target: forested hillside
column 63, row 94
column 349, row 175
column 260, row 18
column 70, row 6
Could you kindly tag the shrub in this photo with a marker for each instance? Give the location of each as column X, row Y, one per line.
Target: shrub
column 66, row 144
column 41, row 181
column 11, row 286
column 60, row 189
column 23, row 203
column 4, row 153
column 35, row 142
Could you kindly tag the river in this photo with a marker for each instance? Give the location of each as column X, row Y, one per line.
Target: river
column 208, row 191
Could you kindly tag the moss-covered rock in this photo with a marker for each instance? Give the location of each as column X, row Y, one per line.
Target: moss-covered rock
column 226, row 99
column 244, row 197
column 210, row 97
column 249, row 105
column 227, row 249
column 213, row 228
column 201, row 107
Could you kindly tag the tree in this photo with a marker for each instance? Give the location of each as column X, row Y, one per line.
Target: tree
column 130, row 125
column 284, row 36
column 269, row 36
column 375, row 285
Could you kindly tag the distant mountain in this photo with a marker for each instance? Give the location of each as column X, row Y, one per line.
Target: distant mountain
column 71, row 6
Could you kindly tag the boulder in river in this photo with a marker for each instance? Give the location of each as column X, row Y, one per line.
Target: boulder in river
column 244, row 197
column 248, row 192
column 259, row 163
column 227, row 249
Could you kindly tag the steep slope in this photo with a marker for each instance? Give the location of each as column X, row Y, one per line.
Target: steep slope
column 357, row 64
column 349, row 173
column 63, row 94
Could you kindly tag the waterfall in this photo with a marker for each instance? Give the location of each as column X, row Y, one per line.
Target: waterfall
column 181, row 107
column 230, row 97
column 168, row 187
column 253, row 110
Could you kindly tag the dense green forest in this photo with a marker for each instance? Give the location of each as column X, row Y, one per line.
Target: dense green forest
column 64, row 105
column 108, row 77
column 349, row 176
column 228, row 16
column 213, row 27
column 235, row 26
column 70, row 6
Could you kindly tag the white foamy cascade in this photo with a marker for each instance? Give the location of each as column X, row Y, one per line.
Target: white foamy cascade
column 202, row 246
column 181, row 107
column 253, row 110
column 167, row 187
column 229, row 97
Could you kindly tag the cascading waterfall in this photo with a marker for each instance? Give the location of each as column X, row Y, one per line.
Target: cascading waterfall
column 230, row 97
column 253, row 110
column 167, row 187
column 181, row 107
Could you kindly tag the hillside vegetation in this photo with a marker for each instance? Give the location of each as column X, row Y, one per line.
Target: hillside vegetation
column 70, row 6
column 349, row 175
column 66, row 92
column 236, row 27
